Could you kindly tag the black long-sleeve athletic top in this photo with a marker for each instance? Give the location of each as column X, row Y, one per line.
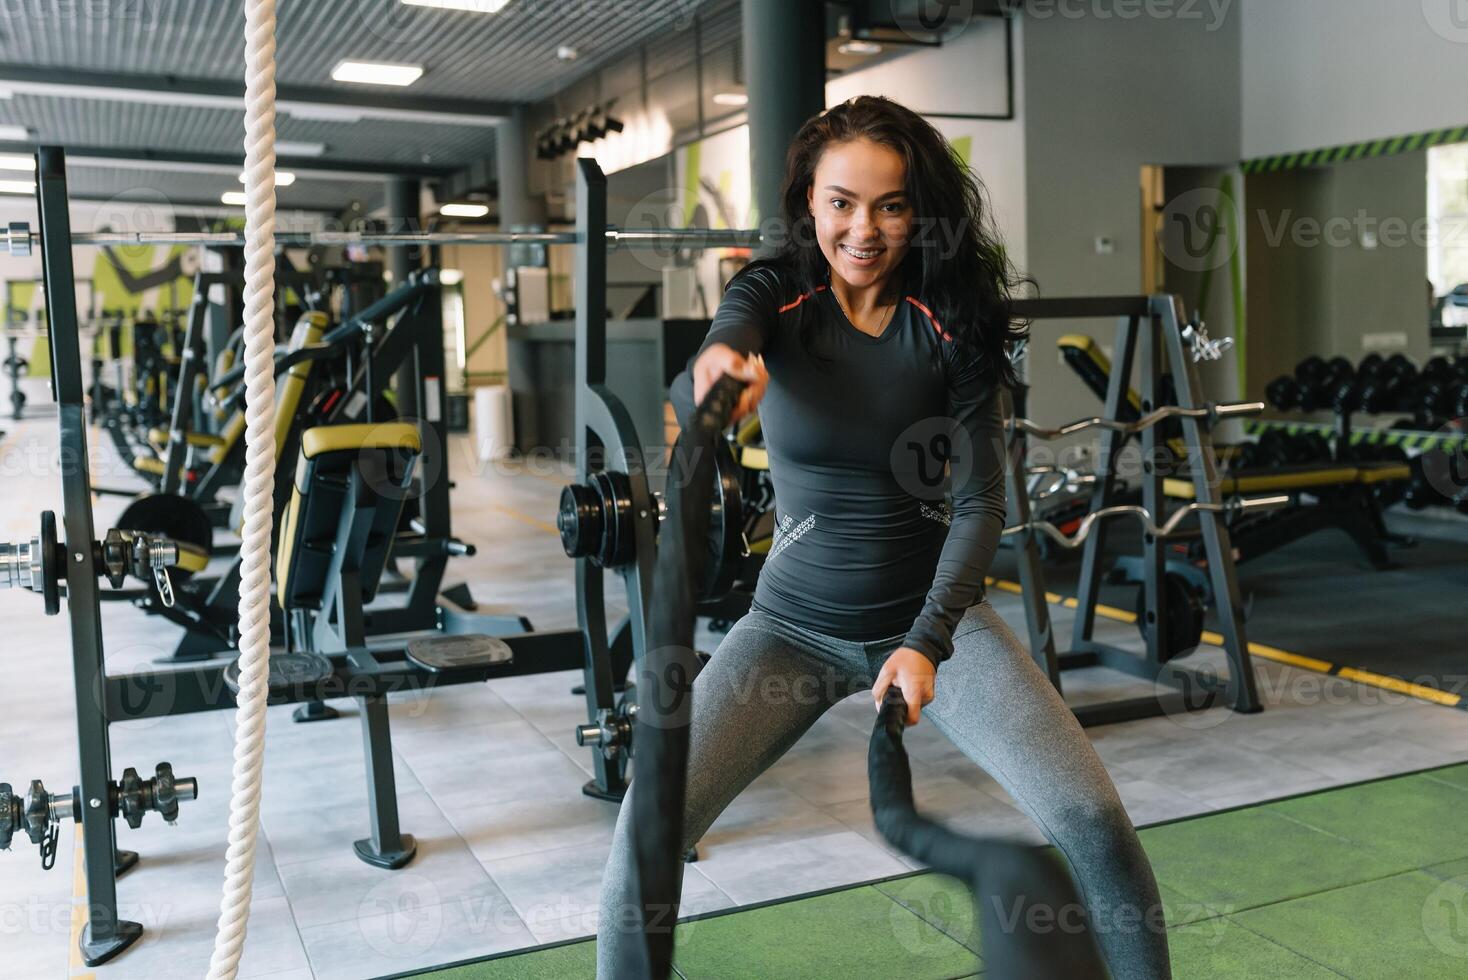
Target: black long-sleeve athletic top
column 867, row 545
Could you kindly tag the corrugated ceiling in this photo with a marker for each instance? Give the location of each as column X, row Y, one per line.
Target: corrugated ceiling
column 507, row 57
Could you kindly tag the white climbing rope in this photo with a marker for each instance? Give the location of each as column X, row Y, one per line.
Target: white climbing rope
column 258, row 488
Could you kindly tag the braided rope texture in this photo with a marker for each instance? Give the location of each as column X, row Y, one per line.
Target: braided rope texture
column 257, row 489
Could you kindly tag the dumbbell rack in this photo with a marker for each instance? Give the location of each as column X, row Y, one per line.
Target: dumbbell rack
column 1150, row 329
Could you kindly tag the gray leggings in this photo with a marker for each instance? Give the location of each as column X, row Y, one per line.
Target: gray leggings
column 770, row 680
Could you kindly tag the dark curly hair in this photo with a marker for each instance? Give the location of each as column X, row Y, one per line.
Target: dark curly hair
column 955, row 264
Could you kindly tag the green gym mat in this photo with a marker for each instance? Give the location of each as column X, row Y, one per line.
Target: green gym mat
column 1365, row 881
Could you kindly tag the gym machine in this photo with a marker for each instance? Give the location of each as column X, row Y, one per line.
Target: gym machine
column 102, row 699
column 40, row 565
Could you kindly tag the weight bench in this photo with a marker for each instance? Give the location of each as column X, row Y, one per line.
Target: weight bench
column 334, row 542
column 1344, row 500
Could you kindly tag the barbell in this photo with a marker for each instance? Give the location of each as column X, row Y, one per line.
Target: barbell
column 20, row 239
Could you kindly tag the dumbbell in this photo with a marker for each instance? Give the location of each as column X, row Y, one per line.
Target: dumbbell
column 1379, row 389
column 1284, row 393
column 1439, row 368
column 1328, row 385
column 1420, row 492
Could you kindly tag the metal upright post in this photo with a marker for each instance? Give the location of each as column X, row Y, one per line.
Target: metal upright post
column 105, row 935
column 1243, row 693
column 1031, row 577
column 403, row 261
column 591, row 369
column 604, row 430
column 1154, row 605
column 1112, row 441
column 190, row 368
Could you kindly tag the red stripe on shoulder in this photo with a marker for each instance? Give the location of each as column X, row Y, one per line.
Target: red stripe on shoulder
column 800, row 299
column 931, row 319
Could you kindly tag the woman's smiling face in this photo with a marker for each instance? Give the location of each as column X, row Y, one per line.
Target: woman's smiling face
column 863, row 217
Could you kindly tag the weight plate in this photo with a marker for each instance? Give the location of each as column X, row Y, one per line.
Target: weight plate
column 726, row 527
column 1183, row 630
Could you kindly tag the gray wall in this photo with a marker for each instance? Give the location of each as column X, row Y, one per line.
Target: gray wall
column 1103, row 96
column 1319, row 73
column 1314, row 288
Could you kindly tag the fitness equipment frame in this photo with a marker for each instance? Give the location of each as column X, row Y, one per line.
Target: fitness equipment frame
column 1150, row 330
column 102, row 699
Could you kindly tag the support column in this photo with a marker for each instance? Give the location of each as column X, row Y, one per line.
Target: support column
column 785, row 72
column 511, row 160
column 403, row 201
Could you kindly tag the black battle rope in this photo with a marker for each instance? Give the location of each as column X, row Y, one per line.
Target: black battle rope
column 664, row 688
column 1031, row 918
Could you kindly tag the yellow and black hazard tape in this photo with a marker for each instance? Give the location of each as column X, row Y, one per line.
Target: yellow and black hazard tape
column 1356, row 151
column 1406, row 438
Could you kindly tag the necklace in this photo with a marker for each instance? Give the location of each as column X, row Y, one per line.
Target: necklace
column 852, row 320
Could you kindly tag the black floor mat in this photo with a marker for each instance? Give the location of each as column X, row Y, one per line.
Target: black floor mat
column 1317, row 597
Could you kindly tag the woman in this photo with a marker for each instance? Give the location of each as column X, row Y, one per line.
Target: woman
column 875, row 342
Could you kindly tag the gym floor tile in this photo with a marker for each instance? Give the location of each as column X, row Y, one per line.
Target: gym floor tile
column 1248, row 858
column 389, row 936
column 1223, row 950
column 765, row 872
column 1454, row 776
column 1180, row 910
column 1405, row 925
column 940, row 901
column 855, row 933
column 1416, row 819
column 1450, row 869
column 574, row 962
